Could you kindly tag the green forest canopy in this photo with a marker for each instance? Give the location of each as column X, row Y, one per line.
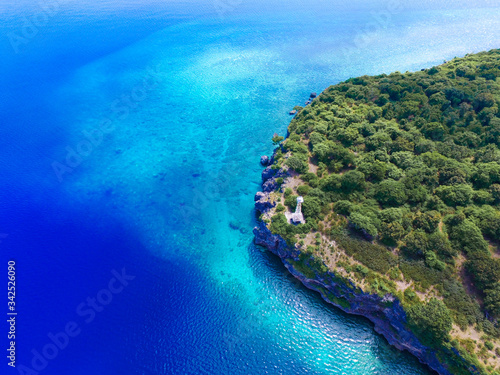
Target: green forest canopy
column 412, row 161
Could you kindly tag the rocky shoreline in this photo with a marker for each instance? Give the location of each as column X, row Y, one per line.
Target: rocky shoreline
column 386, row 312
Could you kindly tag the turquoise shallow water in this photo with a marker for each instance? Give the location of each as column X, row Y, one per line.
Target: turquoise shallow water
column 191, row 94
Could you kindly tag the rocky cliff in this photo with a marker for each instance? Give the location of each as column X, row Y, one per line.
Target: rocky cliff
column 385, row 312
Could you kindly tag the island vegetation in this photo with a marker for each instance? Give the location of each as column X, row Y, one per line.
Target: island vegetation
column 400, row 175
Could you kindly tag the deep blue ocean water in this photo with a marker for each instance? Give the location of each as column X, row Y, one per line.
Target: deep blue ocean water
column 170, row 105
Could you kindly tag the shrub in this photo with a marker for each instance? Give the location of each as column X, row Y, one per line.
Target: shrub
column 457, row 299
column 375, row 257
column 492, row 299
column 489, row 345
column 420, row 273
column 485, row 271
column 279, row 225
column 362, row 270
column 297, row 164
column 432, row 261
column 291, row 201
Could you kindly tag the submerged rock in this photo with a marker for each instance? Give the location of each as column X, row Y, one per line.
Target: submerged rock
column 264, row 160
column 234, row 225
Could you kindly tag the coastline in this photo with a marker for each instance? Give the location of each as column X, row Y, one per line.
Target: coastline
column 386, row 313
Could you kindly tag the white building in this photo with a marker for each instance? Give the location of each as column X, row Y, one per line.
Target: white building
column 297, row 217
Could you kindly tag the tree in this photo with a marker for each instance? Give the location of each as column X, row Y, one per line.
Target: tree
column 347, row 136
column 416, row 243
column 391, row 232
column 483, row 100
column 487, row 154
column 297, row 147
column 331, row 183
column 467, row 236
column 374, row 171
column 455, row 195
column 390, row 193
column 482, row 197
column 490, row 222
column 391, row 215
column 495, row 192
column 432, row 320
column 353, row 181
column 427, row 221
column 316, row 138
column 303, row 189
column 311, row 207
column 434, row 131
column 363, row 224
column 417, row 195
column 402, row 144
column 439, row 243
column 377, row 141
column 452, row 174
column 330, row 152
column 277, row 139
column 343, row 207
column 486, row 174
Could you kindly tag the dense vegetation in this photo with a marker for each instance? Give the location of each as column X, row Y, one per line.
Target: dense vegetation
column 403, row 172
